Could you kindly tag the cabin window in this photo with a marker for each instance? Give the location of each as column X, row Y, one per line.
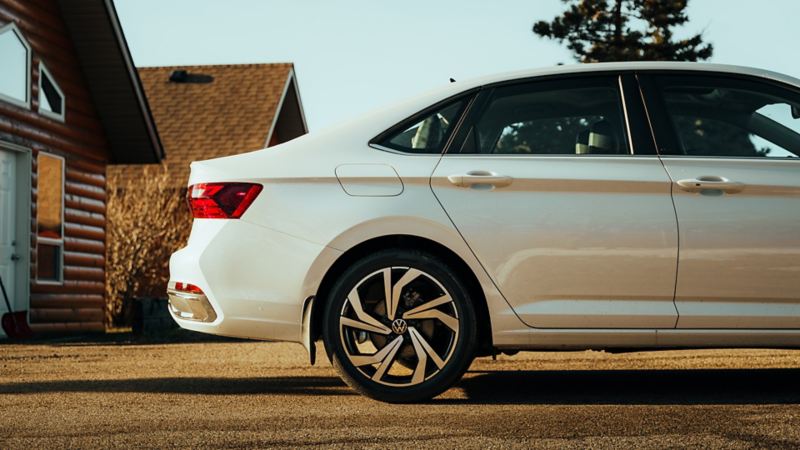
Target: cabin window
column 51, row 98
column 50, row 219
column 15, row 70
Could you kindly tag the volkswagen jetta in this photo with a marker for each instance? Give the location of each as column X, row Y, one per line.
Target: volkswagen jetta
column 602, row 206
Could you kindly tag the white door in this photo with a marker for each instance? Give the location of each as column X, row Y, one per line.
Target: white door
column 732, row 148
column 7, row 224
column 575, row 231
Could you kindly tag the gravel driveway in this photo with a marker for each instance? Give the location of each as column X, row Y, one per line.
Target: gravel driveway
column 251, row 394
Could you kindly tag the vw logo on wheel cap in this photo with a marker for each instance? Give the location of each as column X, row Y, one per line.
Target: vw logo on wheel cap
column 399, row 326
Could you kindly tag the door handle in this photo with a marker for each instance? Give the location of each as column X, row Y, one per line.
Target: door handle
column 474, row 177
column 15, row 257
column 710, row 182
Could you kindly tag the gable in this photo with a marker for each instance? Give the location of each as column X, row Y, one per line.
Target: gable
column 210, row 111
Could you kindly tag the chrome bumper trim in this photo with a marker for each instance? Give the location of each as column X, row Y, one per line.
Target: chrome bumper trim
column 188, row 306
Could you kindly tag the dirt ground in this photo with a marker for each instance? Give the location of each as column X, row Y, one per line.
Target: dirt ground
column 250, row 394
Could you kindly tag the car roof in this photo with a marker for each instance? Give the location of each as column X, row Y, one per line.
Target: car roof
column 633, row 66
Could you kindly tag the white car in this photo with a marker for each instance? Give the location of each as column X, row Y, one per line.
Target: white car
column 603, row 206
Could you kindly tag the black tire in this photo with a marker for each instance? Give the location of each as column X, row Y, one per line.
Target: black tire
column 462, row 343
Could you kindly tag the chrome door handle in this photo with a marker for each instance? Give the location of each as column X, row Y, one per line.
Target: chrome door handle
column 480, row 177
column 710, row 182
column 15, row 257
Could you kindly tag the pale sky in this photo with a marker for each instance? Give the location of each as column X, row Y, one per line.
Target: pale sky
column 351, row 56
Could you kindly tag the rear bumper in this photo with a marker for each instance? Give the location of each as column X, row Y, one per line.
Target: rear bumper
column 255, row 280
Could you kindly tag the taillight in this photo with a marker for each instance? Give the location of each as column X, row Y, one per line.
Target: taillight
column 186, row 287
column 221, row 200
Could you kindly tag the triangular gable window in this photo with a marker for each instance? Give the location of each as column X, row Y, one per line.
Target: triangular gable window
column 51, row 98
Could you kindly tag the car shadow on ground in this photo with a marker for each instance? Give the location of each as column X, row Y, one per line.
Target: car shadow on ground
column 190, row 385
column 632, row 387
column 553, row 387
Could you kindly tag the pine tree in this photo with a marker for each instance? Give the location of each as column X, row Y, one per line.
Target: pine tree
column 625, row 30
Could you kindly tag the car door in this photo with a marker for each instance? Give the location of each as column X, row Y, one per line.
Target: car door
column 731, row 147
column 575, row 228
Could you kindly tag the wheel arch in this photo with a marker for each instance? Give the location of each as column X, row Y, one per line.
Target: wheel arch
column 405, row 241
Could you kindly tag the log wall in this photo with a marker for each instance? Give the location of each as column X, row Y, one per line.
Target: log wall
column 78, row 303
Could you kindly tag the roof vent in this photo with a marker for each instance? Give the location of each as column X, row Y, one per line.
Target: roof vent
column 183, row 76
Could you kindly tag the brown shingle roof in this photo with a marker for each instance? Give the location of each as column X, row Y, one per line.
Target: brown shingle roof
column 196, row 121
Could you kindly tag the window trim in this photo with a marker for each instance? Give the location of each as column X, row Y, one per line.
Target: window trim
column 12, row 28
column 610, row 79
column 663, row 129
column 467, row 97
column 55, row 116
column 51, row 241
column 639, row 129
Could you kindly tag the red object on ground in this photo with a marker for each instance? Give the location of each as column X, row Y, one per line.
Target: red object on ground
column 15, row 324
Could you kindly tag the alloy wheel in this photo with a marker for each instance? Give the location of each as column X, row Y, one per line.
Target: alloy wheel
column 399, row 326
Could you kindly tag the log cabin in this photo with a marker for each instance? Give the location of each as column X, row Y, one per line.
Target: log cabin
column 71, row 104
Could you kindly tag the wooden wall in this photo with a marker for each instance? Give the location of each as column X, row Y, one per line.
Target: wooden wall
column 79, row 303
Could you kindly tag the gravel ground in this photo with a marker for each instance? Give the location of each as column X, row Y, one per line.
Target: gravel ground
column 250, row 394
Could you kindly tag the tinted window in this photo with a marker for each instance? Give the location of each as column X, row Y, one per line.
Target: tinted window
column 732, row 120
column 426, row 134
column 549, row 119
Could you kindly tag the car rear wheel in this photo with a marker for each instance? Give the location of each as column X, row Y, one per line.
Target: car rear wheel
column 400, row 326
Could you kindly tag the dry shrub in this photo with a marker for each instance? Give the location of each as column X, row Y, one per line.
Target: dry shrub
column 147, row 221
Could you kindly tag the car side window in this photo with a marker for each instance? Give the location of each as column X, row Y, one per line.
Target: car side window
column 732, row 119
column 426, row 134
column 550, row 118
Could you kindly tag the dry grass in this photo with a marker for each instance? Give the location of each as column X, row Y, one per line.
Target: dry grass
column 147, row 222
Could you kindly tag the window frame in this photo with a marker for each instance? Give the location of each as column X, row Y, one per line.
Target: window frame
column 664, row 132
column 638, row 138
column 468, row 97
column 12, row 28
column 45, row 240
column 55, row 116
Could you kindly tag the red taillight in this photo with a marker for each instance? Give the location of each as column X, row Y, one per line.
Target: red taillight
column 221, row 200
column 186, row 287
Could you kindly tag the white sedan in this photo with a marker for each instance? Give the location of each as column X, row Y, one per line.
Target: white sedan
column 601, row 206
